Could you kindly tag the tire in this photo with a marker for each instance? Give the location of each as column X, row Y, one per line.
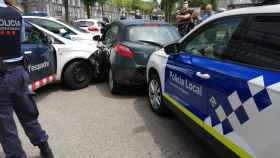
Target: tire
column 114, row 87
column 155, row 96
column 77, row 75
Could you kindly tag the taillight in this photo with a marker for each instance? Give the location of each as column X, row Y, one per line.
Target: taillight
column 93, row 29
column 124, row 51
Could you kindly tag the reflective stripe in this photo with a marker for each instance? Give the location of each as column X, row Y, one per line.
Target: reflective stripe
column 13, row 60
column 228, row 143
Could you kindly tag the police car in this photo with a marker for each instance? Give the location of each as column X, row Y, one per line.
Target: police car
column 54, row 58
column 223, row 79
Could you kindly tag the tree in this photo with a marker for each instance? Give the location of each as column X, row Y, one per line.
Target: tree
column 66, row 7
column 88, row 5
column 101, row 3
column 168, row 6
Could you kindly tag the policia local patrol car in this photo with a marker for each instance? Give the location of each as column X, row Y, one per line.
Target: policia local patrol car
column 223, row 79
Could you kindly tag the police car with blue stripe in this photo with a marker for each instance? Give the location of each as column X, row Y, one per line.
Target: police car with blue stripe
column 223, row 79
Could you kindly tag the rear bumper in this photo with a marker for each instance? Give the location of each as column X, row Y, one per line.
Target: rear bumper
column 130, row 76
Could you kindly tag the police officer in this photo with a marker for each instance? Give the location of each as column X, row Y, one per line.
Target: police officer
column 14, row 92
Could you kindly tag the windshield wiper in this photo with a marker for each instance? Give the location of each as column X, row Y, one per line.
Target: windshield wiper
column 151, row 42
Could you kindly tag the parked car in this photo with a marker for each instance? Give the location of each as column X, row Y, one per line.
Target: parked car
column 90, row 25
column 223, row 80
column 64, row 60
column 129, row 44
column 62, row 29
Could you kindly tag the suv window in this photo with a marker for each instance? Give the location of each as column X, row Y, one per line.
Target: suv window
column 111, row 35
column 213, row 39
column 260, row 45
column 54, row 27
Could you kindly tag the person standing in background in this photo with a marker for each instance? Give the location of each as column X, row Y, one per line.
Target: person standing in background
column 209, row 11
column 195, row 19
column 138, row 15
column 184, row 19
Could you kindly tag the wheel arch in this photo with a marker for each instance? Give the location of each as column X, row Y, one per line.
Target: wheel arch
column 151, row 71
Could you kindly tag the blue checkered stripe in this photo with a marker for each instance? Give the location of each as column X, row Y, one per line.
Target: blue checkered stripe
column 241, row 112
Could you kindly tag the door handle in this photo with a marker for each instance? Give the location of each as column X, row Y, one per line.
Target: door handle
column 203, row 76
column 27, row 52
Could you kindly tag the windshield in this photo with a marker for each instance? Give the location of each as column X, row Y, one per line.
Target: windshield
column 159, row 34
column 57, row 28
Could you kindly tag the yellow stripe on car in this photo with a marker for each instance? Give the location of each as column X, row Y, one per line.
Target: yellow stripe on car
column 228, row 143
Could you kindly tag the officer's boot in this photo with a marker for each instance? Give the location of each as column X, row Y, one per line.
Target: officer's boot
column 45, row 150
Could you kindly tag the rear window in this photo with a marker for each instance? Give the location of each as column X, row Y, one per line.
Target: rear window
column 156, row 33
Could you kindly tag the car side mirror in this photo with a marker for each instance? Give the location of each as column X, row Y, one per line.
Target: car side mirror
column 97, row 38
column 172, row 48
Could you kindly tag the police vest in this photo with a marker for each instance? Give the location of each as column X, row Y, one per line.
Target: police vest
column 10, row 33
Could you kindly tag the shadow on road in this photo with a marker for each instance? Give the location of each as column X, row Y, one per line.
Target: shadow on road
column 43, row 92
column 167, row 131
column 126, row 93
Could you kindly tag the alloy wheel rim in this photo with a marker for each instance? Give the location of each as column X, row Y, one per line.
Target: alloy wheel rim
column 80, row 73
column 155, row 94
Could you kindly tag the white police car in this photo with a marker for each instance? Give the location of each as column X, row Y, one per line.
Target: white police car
column 223, row 79
column 54, row 58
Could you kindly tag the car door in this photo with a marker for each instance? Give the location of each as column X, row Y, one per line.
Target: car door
column 39, row 53
column 241, row 86
column 184, row 82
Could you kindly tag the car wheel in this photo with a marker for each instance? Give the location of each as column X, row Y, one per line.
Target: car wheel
column 114, row 87
column 155, row 95
column 77, row 75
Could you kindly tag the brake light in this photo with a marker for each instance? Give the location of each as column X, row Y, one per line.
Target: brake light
column 93, row 29
column 124, row 51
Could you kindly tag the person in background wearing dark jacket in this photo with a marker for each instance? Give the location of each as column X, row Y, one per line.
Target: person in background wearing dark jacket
column 183, row 20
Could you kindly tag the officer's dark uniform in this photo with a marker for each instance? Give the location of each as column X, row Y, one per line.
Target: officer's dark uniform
column 14, row 92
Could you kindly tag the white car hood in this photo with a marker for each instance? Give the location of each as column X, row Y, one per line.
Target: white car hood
column 85, row 46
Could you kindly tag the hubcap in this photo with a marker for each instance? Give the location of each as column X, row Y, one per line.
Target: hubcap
column 155, row 94
column 80, row 73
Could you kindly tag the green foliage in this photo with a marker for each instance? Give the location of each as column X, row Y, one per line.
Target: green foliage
column 145, row 6
column 122, row 3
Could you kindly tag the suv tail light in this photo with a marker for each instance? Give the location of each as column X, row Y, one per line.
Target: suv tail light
column 124, row 51
column 93, row 29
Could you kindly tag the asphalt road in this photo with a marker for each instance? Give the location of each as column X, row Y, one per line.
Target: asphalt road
column 92, row 123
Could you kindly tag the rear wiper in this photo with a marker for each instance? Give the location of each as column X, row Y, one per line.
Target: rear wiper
column 152, row 43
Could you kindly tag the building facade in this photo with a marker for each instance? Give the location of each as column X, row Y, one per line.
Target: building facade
column 55, row 8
